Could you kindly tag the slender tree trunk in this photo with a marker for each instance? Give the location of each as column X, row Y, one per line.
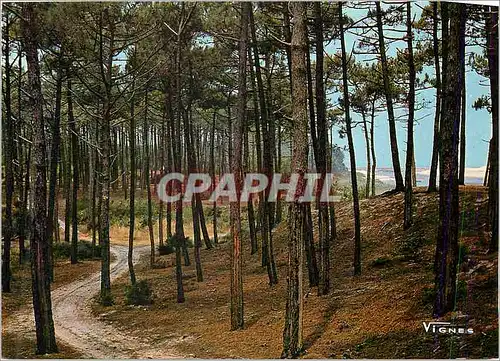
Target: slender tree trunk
column 212, row 170
column 487, row 171
column 492, row 32
column 237, row 170
column 390, row 108
column 320, row 156
column 133, row 185
column 435, row 41
column 408, row 206
column 461, row 168
column 372, row 147
column 162, row 170
column 250, row 210
column 54, row 161
column 67, row 189
column 258, row 148
column 169, row 146
column 95, row 190
column 413, row 169
column 105, row 163
column 148, row 179
column 312, row 264
column 8, row 230
column 42, row 305
column 176, row 155
column 350, row 141
column 179, row 221
column 368, row 156
column 447, row 240
column 23, row 162
column 194, row 209
column 76, row 158
column 297, row 215
column 267, row 240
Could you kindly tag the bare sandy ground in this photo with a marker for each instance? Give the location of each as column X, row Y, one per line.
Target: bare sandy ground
column 77, row 327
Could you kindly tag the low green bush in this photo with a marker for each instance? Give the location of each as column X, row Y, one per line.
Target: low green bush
column 106, row 299
column 165, row 249
column 84, row 250
column 138, row 294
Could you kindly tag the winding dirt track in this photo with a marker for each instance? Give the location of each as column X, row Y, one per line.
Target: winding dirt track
column 76, row 326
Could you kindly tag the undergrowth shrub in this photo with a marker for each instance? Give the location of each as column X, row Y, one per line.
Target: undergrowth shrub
column 138, row 294
column 84, row 250
column 166, row 248
column 106, row 299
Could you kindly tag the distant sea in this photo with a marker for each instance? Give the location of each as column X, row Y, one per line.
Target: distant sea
column 386, row 175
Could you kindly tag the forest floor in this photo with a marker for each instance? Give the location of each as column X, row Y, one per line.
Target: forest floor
column 376, row 315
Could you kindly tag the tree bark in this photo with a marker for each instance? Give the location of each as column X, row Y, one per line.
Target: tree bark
column 390, row 108
column 237, row 170
column 8, row 230
column 133, row 185
column 267, row 239
column 447, row 240
column 435, row 41
column 372, row 146
column 297, row 216
column 75, row 160
column 105, row 163
column 350, row 141
column 493, row 176
column 54, row 162
column 42, row 305
column 408, row 205
column 320, row 155
column 368, row 155
column 148, row 179
column 461, row 174
column 212, row 170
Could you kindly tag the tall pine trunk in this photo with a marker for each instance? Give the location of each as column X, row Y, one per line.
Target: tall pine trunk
column 389, row 100
column 267, row 237
column 492, row 24
column 408, row 206
column 320, row 155
column 435, row 146
column 133, row 185
column 350, row 141
column 8, row 230
column 461, row 168
column 75, row 160
column 297, row 217
column 212, row 170
column 54, row 162
column 447, row 239
column 372, row 146
column 237, row 170
column 368, row 155
column 105, row 163
column 148, row 179
column 42, row 304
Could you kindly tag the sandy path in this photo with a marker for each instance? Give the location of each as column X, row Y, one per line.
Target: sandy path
column 76, row 326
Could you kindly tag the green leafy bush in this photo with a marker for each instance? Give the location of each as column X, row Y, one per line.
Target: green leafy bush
column 138, row 294
column 381, row 262
column 428, row 295
column 106, row 299
column 165, row 249
column 84, row 250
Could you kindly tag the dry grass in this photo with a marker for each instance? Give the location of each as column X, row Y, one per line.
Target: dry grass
column 119, row 235
column 377, row 313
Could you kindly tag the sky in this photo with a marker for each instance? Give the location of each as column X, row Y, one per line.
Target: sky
column 478, row 123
